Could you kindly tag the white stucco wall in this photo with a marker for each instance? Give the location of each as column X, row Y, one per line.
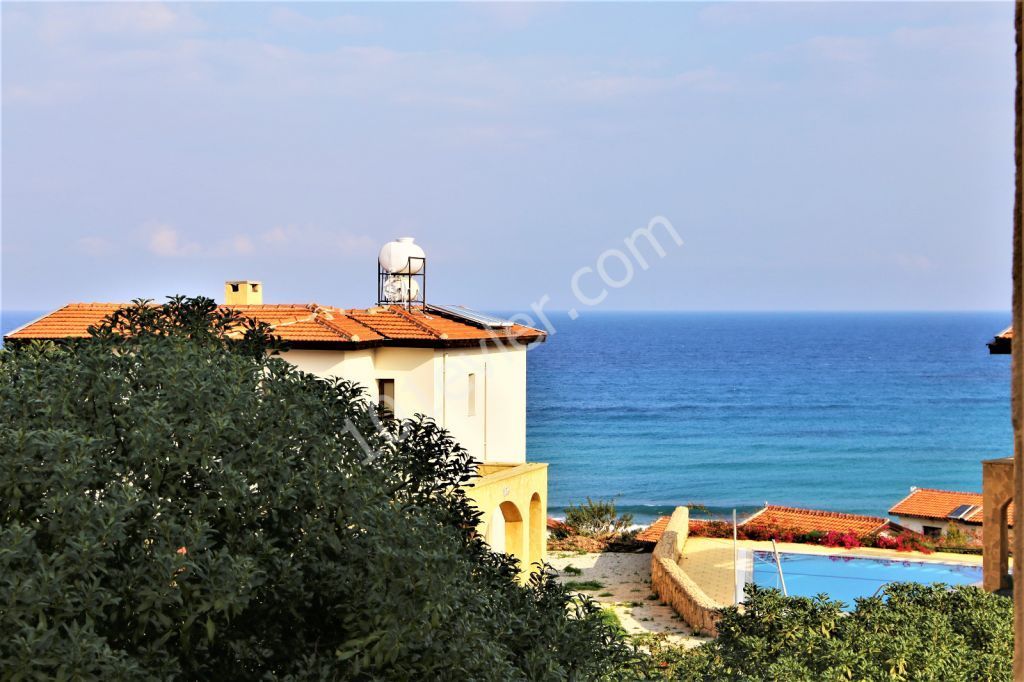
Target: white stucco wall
column 354, row 365
column 495, row 430
column 412, row 370
column 917, row 524
column 436, row 383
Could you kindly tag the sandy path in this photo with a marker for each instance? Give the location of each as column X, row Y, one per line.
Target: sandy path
column 626, row 588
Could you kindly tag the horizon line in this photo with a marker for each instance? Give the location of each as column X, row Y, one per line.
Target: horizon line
column 582, row 313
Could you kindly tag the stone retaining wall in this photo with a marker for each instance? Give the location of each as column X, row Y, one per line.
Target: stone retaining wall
column 671, row 583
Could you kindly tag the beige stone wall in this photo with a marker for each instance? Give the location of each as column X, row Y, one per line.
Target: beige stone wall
column 673, row 585
column 514, row 501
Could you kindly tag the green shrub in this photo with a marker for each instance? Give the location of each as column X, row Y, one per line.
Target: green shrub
column 597, row 519
column 611, row 619
column 177, row 503
column 910, row 632
column 590, row 585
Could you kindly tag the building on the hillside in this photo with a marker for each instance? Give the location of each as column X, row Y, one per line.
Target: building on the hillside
column 465, row 369
column 810, row 520
column 934, row 513
column 790, row 519
column 1002, row 343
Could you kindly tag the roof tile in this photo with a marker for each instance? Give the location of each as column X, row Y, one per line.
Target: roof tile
column 388, row 325
column 808, row 520
column 931, row 503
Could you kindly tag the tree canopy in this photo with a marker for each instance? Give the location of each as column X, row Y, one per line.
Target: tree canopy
column 177, row 502
column 907, row 632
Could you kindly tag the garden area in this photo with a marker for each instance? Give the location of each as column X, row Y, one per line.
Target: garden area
column 177, row 502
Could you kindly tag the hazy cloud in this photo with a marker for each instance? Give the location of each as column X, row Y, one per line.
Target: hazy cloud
column 59, row 23
column 319, row 242
column 95, row 246
column 288, row 19
column 167, row 242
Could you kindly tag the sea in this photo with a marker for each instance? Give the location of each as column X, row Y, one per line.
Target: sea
column 838, row 411
column 723, row 411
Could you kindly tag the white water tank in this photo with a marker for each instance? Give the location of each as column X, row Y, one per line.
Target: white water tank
column 394, row 256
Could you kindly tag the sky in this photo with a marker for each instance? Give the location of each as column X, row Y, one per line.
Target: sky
column 819, row 156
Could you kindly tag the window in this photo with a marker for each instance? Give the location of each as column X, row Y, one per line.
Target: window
column 386, row 396
column 471, row 395
column 931, row 531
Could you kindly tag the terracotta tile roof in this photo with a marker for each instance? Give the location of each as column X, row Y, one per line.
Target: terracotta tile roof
column 807, row 520
column 653, row 532
column 802, row 520
column 71, row 321
column 312, row 325
column 929, row 503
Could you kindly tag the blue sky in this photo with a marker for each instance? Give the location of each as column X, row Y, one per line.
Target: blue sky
column 819, row 156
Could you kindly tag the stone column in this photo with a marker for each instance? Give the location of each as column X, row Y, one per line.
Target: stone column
column 1017, row 379
column 997, row 484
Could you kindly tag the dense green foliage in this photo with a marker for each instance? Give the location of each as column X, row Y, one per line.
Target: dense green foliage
column 178, row 503
column 915, row 632
column 597, row 519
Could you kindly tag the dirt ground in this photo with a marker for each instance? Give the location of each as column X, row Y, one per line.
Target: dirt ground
column 625, row 587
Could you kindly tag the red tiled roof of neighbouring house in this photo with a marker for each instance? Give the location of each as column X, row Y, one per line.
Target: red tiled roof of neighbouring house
column 808, row 520
column 313, row 326
column 930, row 503
column 654, row 531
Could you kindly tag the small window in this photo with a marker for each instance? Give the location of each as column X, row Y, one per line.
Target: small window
column 931, row 531
column 386, row 396
column 471, row 395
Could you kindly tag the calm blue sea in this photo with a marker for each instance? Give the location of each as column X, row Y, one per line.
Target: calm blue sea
column 834, row 411
column 831, row 411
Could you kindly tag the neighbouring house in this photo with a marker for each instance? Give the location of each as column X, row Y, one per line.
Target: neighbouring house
column 1002, row 343
column 465, row 369
column 788, row 518
column 934, row 513
column 810, row 520
column 652, row 533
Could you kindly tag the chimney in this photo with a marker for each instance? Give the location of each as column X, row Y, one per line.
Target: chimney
column 243, row 292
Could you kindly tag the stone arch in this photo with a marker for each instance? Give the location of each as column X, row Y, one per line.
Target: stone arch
column 538, row 530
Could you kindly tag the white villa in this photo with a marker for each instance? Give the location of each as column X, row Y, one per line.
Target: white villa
column 465, row 369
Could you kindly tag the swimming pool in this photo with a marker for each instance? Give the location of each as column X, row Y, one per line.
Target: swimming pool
column 847, row 577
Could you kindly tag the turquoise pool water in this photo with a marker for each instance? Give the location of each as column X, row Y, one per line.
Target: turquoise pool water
column 846, row 577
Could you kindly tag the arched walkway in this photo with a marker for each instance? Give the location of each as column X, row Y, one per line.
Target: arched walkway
column 513, row 530
column 505, row 531
column 538, row 530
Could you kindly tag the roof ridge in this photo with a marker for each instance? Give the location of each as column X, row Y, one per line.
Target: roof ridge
column 330, row 324
column 409, row 316
column 372, row 330
column 294, row 320
column 825, row 512
column 941, row 490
